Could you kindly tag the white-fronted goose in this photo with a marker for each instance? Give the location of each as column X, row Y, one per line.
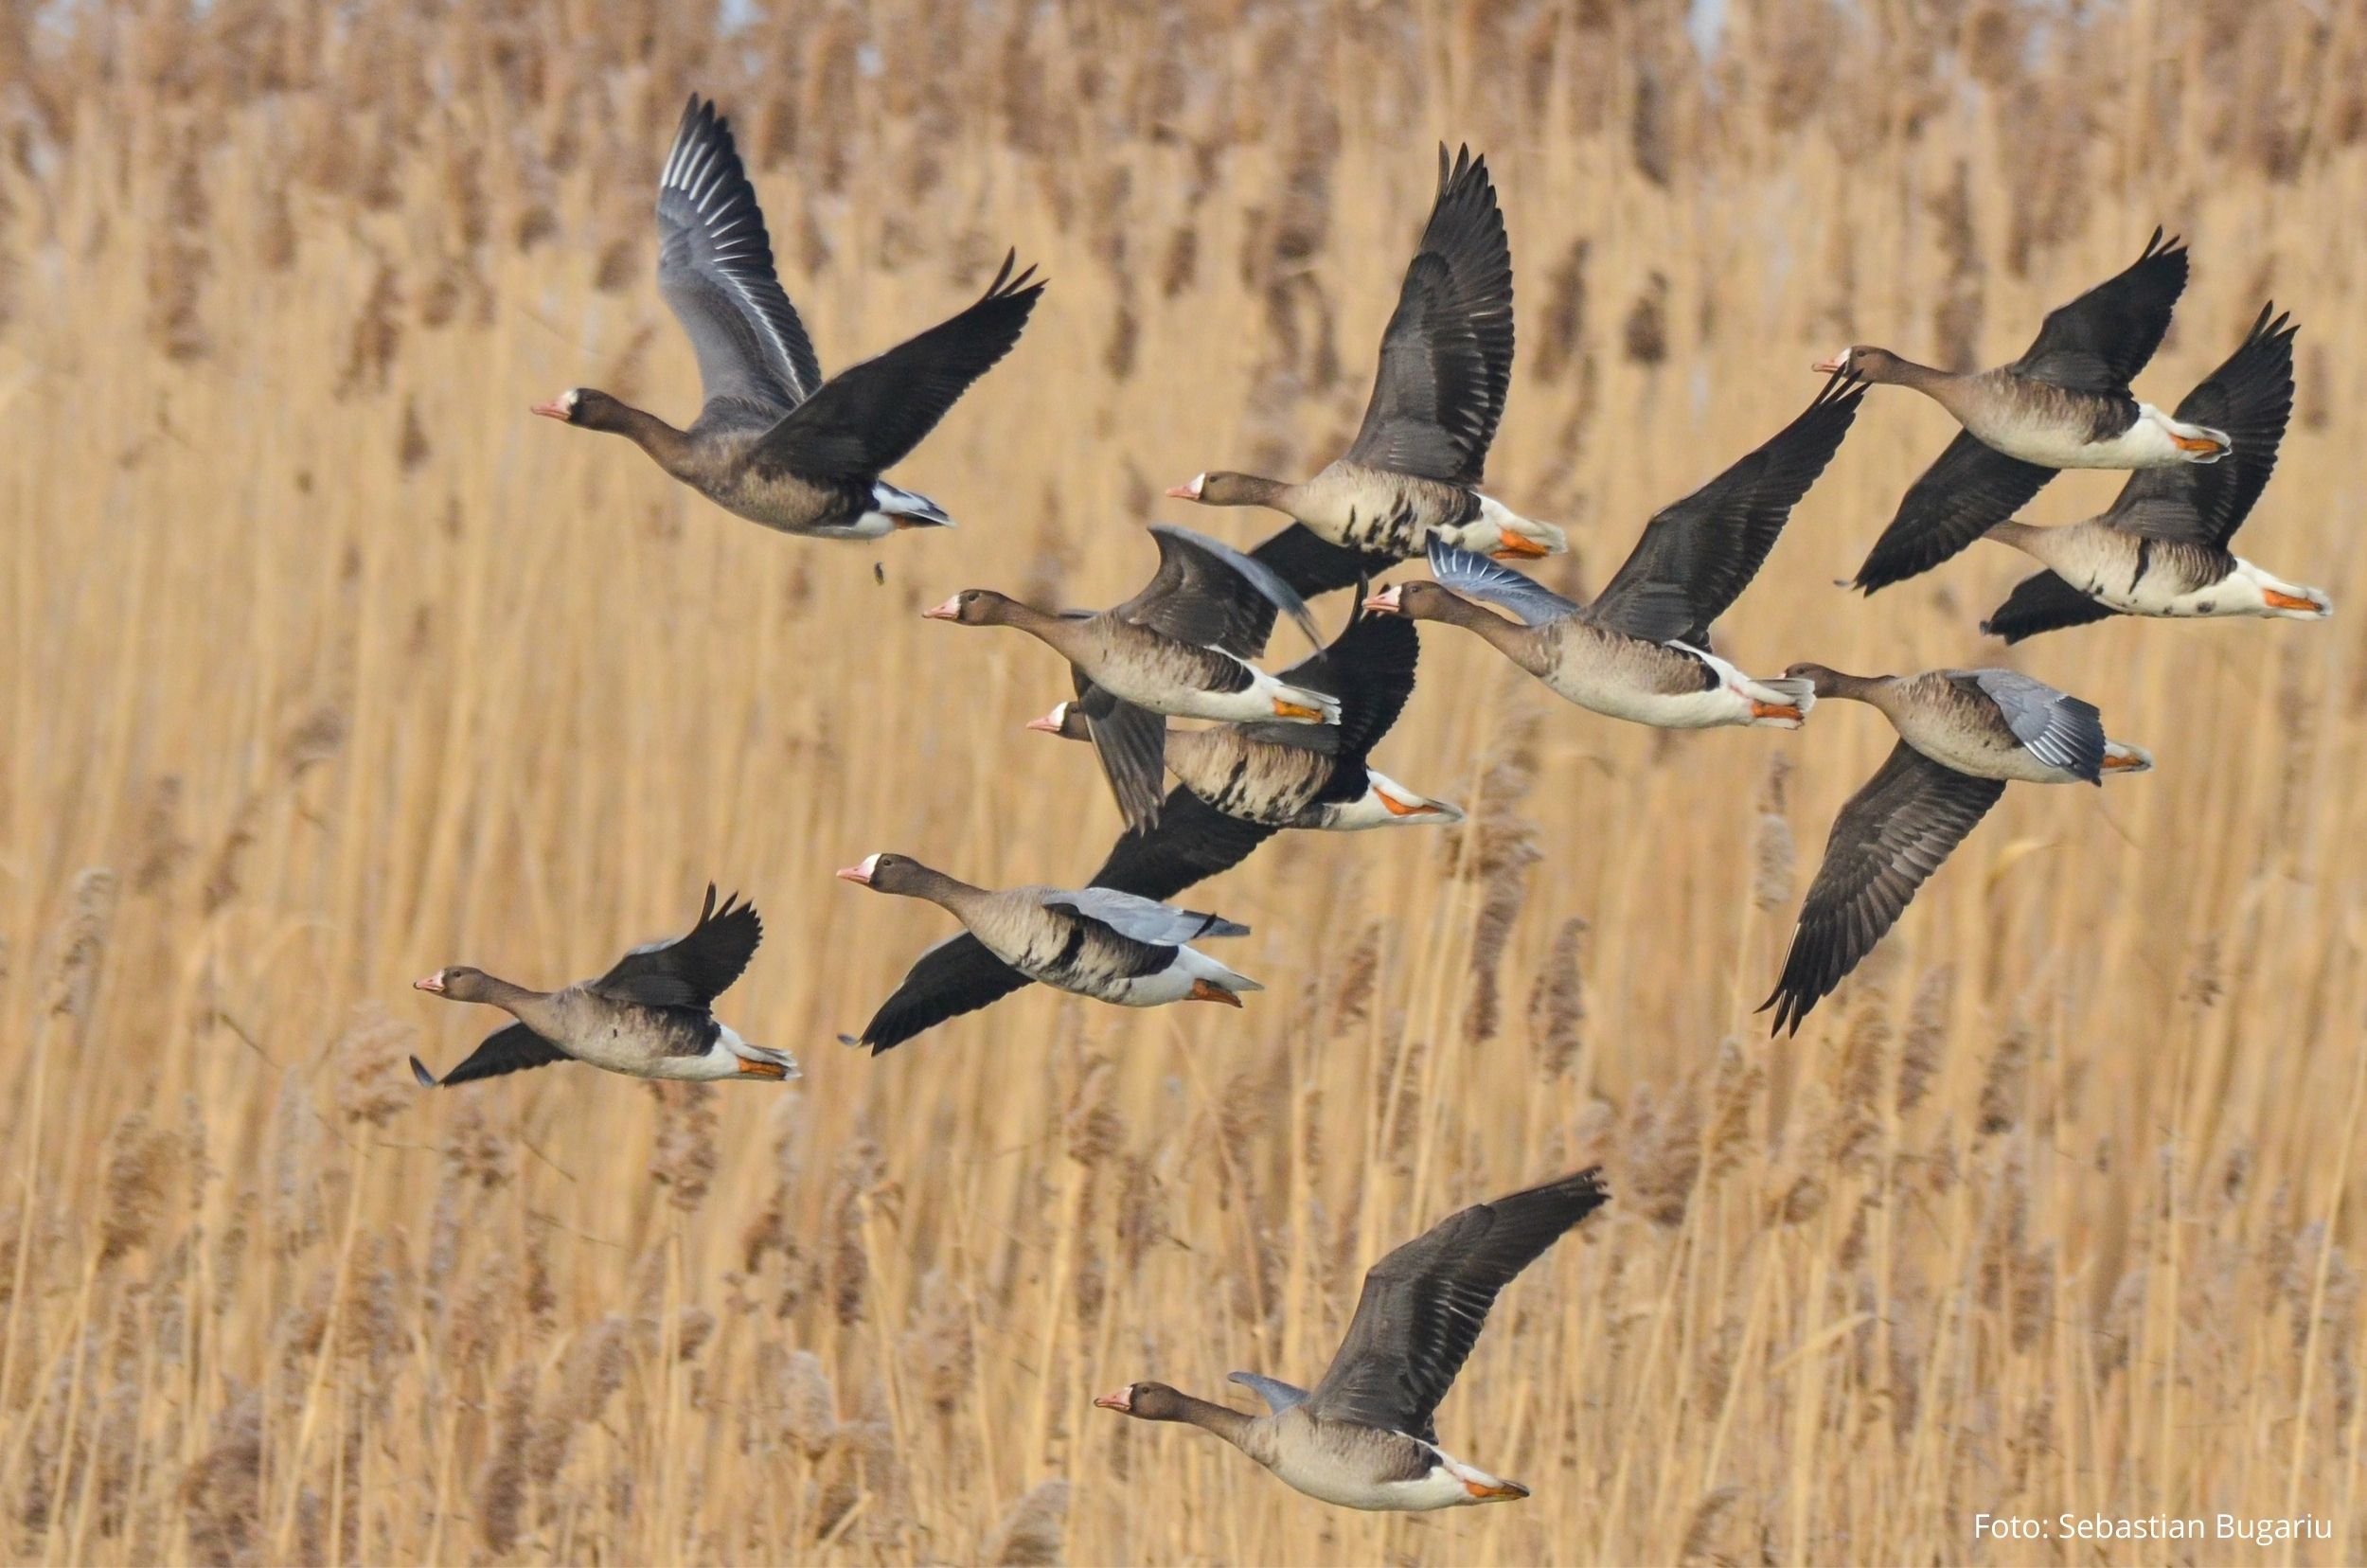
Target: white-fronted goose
column 1366, row 1436
column 1095, row 941
column 1193, row 841
column 1963, row 735
column 650, row 1016
column 1288, row 776
column 1181, row 646
column 1414, row 472
column 775, row 442
column 2065, row 403
column 1641, row 649
column 2161, row 550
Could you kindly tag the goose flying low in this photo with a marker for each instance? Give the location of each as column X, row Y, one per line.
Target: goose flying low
column 649, row 1016
column 1366, row 1436
column 774, row 442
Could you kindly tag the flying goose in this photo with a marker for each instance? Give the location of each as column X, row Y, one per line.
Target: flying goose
column 1641, row 649
column 1364, row 1437
column 1095, row 941
column 2065, row 403
column 1193, row 841
column 1412, row 473
column 650, row 1016
column 1963, row 735
column 774, row 442
column 2162, row 549
column 1181, row 646
column 1288, row 776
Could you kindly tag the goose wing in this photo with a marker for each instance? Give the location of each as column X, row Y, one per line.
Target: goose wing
column 2043, row 602
column 1193, row 841
column 2054, row 726
column 1131, row 745
column 1476, row 577
column 2250, row 397
column 1446, row 358
column 1424, row 1304
column 1143, row 919
column 1311, row 564
column 1891, row 836
column 2099, row 342
column 870, row 416
column 692, row 970
column 1967, row 488
column 1212, row 596
column 715, row 268
column 1697, row 555
column 510, row 1050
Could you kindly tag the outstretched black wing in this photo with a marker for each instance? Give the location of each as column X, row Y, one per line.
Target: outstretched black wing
column 510, row 1050
column 692, row 970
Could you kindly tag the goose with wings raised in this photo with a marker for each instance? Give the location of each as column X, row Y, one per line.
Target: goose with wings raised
column 1282, row 775
column 649, row 1016
column 1640, row 651
column 1963, row 736
column 1095, row 941
column 2162, row 548
column 1366, row 1436
column 774, row 442
column 2064, row 403
column 1414, row 472
column 1181, row 646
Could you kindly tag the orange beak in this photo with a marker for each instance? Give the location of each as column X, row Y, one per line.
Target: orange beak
column 1514, row 547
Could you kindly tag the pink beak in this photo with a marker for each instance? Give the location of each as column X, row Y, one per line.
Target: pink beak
column 1114, row 1401
column 552, row 410
column 434, row 983
column 1047, row 723
column 1384, row 602
column 950, row 610
column 1180, row 493
column 1828, row 367
column 857, row 874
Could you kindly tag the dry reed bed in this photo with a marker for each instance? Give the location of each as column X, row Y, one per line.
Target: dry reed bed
column 326, row 665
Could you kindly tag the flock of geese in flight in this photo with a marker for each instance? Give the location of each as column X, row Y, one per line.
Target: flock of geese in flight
column 779, row 444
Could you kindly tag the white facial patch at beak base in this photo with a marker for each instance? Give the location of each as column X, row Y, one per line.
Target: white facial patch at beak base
column 433, row 983
column 1190, row 492
column 861, row 871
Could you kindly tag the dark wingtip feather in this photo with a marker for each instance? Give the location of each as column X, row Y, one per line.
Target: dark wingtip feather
column 418, row 1071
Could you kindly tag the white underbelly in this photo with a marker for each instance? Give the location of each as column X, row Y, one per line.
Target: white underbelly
column 2144, row 444
column 1438, row 1490
column 1986, row 760
column 1704, row 710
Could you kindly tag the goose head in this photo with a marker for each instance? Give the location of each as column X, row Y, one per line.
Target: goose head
column 587, row 406
column 1864, row 361
column 1066, row 720
column 972, row 607
column 885, row 873
column 1145, row 1401
column 455, row 982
